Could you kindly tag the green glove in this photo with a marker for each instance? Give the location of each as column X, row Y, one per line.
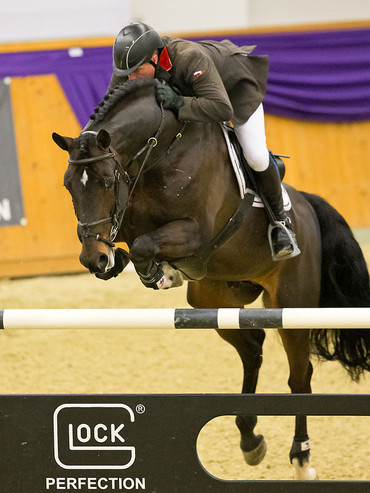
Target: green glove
column 169, row 97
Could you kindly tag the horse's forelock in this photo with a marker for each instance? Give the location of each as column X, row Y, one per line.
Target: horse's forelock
column 83, row 146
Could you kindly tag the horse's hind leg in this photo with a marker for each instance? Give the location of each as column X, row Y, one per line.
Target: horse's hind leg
column 296, row 344
column 248, row 343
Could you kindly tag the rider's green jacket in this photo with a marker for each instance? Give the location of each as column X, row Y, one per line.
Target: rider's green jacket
column 219, row 80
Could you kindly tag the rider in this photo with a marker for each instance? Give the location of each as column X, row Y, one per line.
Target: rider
column 210, row 81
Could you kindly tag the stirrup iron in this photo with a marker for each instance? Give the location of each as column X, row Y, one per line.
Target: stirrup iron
column 281, row 225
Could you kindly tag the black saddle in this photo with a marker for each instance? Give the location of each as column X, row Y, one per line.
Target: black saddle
column 247, row 170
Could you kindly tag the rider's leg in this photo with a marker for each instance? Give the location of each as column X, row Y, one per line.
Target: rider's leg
column 252, row 138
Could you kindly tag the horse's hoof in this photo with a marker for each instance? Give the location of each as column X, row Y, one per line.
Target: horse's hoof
column 305, row 472
column 172, row 278
column 256, row 456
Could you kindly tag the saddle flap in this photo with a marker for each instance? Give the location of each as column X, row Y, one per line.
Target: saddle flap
column 243, row 171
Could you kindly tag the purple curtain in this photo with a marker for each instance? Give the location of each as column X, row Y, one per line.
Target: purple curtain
column 84, row 78
column 315, row 75
column 320, row 76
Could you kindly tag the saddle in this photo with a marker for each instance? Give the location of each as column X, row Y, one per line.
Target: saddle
column 244, row 173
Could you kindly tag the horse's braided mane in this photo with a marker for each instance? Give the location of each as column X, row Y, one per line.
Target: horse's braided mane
column 115, row 95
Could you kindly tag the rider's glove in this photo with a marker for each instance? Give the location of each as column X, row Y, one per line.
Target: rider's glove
column 169, row 97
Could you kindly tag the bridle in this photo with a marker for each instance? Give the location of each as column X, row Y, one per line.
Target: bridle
column 121, row 183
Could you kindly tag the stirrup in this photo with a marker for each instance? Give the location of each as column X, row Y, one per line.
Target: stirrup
column 280, row 224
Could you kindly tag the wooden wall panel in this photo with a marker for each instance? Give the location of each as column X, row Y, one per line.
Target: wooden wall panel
column 328, row 159
column 48, row 243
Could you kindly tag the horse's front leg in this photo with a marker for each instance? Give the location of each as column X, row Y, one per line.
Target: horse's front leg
column 248, row 343
column 177, row 239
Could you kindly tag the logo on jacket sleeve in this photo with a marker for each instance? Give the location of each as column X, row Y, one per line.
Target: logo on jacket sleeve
column 197, row 74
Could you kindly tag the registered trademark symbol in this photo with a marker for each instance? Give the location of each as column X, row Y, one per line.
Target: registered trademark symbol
column 140, row 408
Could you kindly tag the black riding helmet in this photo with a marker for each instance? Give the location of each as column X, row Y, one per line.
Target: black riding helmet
column 134, row 45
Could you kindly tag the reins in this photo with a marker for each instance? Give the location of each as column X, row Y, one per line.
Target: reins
column 149, row 146
column 177, row 138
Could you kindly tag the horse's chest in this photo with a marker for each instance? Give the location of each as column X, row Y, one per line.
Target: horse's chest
column 166, row 198
column 147, row 216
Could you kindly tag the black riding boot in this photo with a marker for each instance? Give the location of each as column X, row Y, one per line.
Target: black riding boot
column 282, row 239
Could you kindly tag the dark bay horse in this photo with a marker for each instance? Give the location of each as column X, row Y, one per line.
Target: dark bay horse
column 168, row 190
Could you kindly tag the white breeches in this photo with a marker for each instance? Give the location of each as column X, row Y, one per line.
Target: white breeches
column 252, row 138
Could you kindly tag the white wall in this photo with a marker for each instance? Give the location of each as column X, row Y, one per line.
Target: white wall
column 25, row 20
column 207, row 15
column 287, row 12
column 192, row 15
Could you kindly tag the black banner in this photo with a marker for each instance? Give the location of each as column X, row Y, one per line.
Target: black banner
column 11, row 202
column 110, row 443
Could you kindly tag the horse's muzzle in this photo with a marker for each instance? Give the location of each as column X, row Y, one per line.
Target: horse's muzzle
column 97, row 258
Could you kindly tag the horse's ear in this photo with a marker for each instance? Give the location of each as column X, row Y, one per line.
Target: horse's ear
column 103, row 139
column 63, row 142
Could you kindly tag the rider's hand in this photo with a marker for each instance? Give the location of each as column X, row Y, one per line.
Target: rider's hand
column 169, row 97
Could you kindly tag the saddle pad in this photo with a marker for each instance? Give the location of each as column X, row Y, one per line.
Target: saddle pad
column 240, row 178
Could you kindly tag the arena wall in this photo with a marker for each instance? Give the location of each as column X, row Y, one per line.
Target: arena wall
column 326, row 158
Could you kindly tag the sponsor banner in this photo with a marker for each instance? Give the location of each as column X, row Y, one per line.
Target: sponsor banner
column 11, row 201
column 117, row 443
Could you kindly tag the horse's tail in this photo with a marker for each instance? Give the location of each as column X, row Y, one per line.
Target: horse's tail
column 344, row 283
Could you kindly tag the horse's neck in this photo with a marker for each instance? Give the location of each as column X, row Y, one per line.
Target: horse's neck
column 166, row 136
column 130, row 129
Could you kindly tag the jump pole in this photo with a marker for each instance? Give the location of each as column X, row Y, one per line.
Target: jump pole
column 183, row 318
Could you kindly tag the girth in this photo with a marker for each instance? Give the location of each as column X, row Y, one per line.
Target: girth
column 195, row 267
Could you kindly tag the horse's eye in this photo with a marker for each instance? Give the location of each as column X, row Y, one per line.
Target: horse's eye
column 109, row 182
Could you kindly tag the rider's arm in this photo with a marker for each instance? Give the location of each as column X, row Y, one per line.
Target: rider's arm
column 209, row 102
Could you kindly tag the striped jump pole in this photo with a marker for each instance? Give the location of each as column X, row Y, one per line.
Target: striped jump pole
column 182, row 318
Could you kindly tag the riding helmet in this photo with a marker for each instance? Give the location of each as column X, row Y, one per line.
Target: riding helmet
column 134, row 45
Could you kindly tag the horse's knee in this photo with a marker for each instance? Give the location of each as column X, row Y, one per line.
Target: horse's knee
column 142, row 250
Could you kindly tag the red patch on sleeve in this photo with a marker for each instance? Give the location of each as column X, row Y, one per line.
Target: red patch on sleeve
column 164, row 60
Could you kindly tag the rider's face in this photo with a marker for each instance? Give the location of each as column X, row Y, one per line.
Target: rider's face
column 145, row 71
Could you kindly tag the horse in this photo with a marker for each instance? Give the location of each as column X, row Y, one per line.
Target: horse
column 166, row 187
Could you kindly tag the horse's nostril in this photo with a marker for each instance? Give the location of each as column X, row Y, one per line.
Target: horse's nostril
column 95, row 264
column 102, row 262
